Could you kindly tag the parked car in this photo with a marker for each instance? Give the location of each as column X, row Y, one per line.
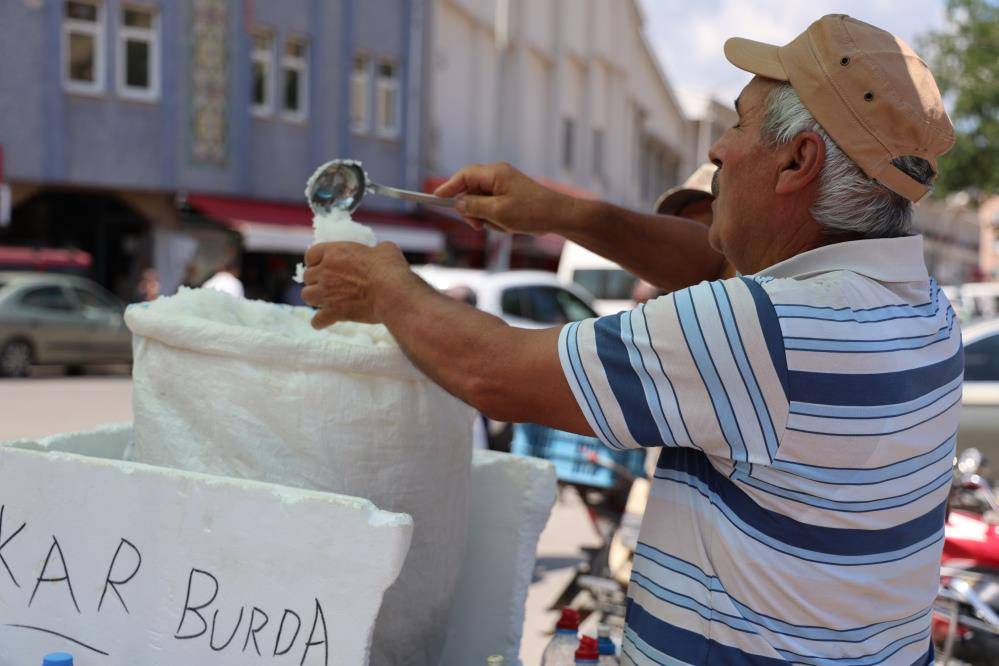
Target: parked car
column 980, row 404
column 528, row 299
column 67, row 320
column 610, row 284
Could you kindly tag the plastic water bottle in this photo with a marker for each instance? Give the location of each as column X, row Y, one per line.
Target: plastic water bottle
column 58, row 659
column 587, row 653
column 606, row 647
column 561, row 651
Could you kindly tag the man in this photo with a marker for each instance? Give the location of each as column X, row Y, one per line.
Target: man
column 806, row 409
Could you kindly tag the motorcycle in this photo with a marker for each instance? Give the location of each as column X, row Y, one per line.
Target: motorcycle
column 966, row 611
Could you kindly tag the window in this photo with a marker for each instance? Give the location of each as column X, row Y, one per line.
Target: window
column 981, row 360
column 138, row 54
column 47, row 298
column 83, row 47
column 262, row 74
column 295, row 76
column 512, row 303
column 387, row 100
column 573, row 308
column 544, row 305
column 605, row 283
column 91, row 299
column 568, row 137
column 359, row 82
column 598, row 153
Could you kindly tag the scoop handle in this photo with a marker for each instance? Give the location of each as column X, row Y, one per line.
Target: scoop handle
column 409, row 195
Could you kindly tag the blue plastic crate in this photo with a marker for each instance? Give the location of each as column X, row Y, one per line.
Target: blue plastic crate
column 570, row 453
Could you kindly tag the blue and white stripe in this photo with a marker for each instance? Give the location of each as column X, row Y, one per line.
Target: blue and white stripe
column 809, row 423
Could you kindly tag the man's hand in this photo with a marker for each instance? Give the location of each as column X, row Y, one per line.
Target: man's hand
column 500, row 196
column 344, row 280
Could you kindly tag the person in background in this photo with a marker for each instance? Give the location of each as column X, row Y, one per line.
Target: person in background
column 226, row 279
column 148, row 288
column 692, row 201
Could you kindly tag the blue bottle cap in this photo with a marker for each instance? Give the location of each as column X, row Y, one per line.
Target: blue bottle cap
column 58, row 659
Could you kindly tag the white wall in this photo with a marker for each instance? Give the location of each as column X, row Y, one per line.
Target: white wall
column 580, row 59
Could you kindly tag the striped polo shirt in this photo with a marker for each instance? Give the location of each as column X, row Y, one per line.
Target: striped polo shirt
column 807, row 416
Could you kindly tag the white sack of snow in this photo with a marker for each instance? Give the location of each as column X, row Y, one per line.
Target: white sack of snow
column 511, row 500
column 248, row 389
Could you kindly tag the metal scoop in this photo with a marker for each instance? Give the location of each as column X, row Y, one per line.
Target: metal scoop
column 343, row 183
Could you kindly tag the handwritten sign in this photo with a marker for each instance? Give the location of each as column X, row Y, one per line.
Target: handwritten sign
column 120, row 563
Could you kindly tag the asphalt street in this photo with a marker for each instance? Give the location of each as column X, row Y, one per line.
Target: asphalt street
column 49, row 403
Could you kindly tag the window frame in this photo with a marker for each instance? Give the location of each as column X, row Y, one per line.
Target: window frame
column 97, row 30
column 152, row 36
column 298, row 64
column 364, row 77
column 392, row 84
column 266, row 57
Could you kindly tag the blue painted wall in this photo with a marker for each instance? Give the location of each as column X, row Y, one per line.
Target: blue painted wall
column 51, row 136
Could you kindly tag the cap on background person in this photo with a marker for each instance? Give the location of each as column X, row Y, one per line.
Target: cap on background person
column 870, row 92
column 696, row 187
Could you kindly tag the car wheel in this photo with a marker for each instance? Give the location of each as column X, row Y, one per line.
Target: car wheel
column 15, row 359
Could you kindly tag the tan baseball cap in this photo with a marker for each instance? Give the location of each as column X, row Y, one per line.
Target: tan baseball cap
column 698, row 186
column 870, row 92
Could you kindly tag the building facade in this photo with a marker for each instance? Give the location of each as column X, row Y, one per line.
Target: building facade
column 157, row 132
column 566, row 90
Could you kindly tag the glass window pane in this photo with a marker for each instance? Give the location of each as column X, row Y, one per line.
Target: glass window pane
column 981, row 360
column 387, row 102
column 512, row 304
column 291, row 84
column 137, row 18
column 386, row 69
column 259, row 83
column 47, row 298
column 81, row 57
column 81, row 11
column 545, row 306
column 572, row 307
column 92, row 299
column 605, row 283
column 360, row 64
column 137, row 64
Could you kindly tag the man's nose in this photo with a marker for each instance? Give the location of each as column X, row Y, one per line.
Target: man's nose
column 715, row 153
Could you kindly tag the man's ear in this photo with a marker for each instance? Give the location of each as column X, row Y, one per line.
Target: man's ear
column 801, row 162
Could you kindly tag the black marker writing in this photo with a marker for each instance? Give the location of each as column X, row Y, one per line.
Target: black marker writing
column 211, row 638
column 112, row 583
column 298, row 626
column 204, row 576
column 55, row 547
column 312, row 634
column 253, row 629
column 3, row 544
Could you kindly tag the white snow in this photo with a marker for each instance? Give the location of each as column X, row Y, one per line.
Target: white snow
column 334, row 226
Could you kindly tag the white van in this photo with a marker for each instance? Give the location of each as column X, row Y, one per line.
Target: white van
column 610, row 284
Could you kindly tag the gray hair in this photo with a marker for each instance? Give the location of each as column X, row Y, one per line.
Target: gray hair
column 848, row 201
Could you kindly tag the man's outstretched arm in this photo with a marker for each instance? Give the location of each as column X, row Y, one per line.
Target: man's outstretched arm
column 507, row 373
column 669, row 252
